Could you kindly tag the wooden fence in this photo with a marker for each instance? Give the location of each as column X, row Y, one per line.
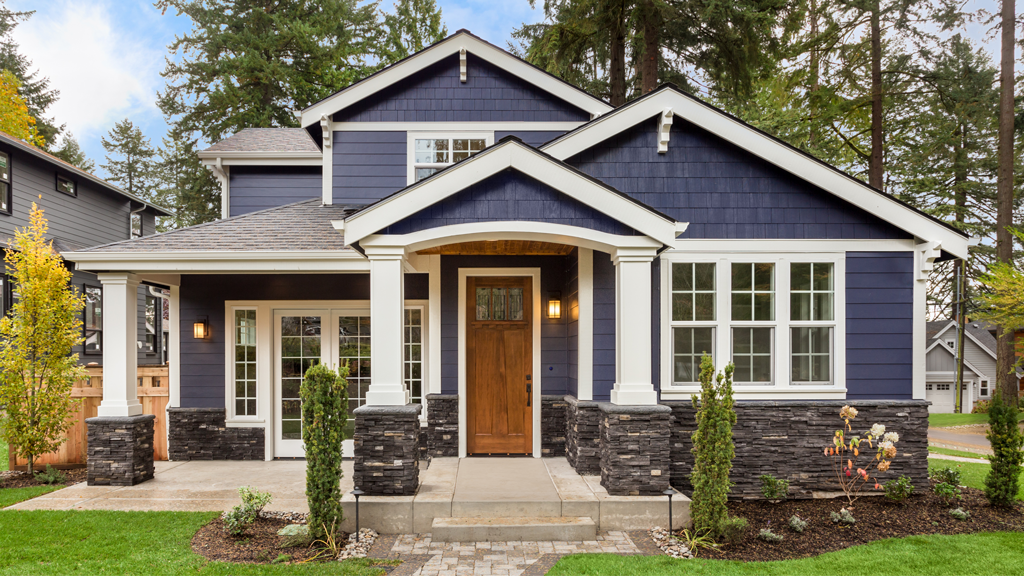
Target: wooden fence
column 153, row 395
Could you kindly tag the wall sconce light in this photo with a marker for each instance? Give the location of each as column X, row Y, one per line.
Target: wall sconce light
column 201, row 328
column 554, row 305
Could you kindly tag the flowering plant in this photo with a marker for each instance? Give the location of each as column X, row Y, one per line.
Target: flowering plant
column 846, row 451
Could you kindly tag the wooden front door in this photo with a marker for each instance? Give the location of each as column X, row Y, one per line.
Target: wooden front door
column 499, row 364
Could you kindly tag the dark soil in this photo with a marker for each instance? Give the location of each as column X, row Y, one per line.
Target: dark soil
column 260, row 545
column 22, row 479
column 877, row 518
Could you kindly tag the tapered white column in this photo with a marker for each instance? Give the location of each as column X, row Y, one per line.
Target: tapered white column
column 633, row 383
column 120, row 349
column 387, row 306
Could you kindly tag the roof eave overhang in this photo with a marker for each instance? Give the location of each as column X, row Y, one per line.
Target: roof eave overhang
column 262, row 158
column 440, row 51
column 765, row 147
column 220, row 261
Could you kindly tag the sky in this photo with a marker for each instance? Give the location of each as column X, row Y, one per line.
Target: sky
column 108, row 66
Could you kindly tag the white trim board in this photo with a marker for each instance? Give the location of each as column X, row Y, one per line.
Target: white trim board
column 967, row 363
column 439, row 51
column 789, row 159
column 451, row 134
column 495, row 126
column 525, row 159
column 538, row 382
column 222, row 261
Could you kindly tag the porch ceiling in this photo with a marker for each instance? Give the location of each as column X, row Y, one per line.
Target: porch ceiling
column 500, row 248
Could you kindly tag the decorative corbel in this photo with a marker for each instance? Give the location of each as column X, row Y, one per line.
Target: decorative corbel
column 927, row 253
column 664, row 130
column 326, row 127
column 462, row 65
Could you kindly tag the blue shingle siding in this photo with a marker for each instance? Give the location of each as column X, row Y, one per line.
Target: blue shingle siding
column 879, row 325
column 202, row 361
column 435, row 94
column 722, row 190
column 571, row 311
column 604, row 326
column 532, row 137
column 509, row 195
column 368, row 165
column 260, row 187
column 554, row 356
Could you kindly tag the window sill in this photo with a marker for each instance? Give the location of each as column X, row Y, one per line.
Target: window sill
column 763, row 392
column 245, row 423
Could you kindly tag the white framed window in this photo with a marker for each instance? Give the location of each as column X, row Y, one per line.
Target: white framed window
column 244, row 365
column 778, row 317
column 983, row 389
column 430, row 152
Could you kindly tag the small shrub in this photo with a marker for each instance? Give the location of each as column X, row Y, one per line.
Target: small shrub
column 981, row 407
column 960, row 514
column 51, row 476
column 713, row 449
column 732, row 529
column 1001, row 484
column 844, row 516
column 774, row 489
column 768, row 536
column 947, row 492
column 238, row 520
column 324, row 395
column 845, row 451
column 796, row 524
column 898, row 489
column 948, row 475
column 695, row 543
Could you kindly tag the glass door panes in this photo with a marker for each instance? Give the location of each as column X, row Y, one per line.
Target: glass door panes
column 300, row 349
column 354, row 349
column 413, row 354
column 499, row 304
column 245, row 362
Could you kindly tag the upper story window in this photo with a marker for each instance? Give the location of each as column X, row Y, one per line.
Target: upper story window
column 431, row 152
column 67, row 185
column 136, row 225
column 93, row 319
column 5, row 182
column 153, row 318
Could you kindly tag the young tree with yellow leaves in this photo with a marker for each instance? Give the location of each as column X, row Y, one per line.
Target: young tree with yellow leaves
column 14, row 116
column 37, row 368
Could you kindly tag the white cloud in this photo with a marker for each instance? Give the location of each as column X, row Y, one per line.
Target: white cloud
column 105, row 69
column 492, row 20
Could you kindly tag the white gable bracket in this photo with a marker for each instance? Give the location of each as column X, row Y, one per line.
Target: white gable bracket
column 927, row 253
column 462, row 65
column 664, row 129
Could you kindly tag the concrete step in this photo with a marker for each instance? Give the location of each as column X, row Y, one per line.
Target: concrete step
column 516, row 528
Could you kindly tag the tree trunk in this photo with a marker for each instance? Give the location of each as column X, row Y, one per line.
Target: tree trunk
column 617, row 66
column 1004, row 197
column 876, row 169
column 652, row 46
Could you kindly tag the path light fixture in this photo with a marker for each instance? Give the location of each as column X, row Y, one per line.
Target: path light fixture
column 357, row 493
column 201, row 328
column 670, row 492
column 554, row 305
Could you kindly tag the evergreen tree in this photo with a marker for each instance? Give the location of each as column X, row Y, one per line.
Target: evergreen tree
column 130, row 159
column 184, row 185
column 70, row 152
column 35, row 90
column 15, row 118
column 252, row 63
column 415, row 25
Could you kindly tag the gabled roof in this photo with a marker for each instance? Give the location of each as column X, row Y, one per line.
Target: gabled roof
column 768, row 148
column 75, row 170
column 942, row 346
column 443, row 49
column 265, row 140
column 510, row 152
column 978, row 331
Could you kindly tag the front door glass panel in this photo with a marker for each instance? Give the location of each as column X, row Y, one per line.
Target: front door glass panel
column 300, row 349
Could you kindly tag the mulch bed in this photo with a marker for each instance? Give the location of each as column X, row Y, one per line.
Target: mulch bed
column 877, row 518
column 22, row 479
column 261, row 545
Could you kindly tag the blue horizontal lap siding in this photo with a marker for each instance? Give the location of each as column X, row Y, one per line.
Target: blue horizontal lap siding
column 256, row 188
column 722, row 190
column 571, row 310
column 435, row 94
column 532, row 137
column 604, row 326
column 879, row 325
column 368, row 165
column 509, row 195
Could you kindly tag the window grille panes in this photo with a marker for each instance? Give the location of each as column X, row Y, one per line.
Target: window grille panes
column 693, row 291
column 354, row 349
column 984, row 388
column 689, row 346
column 300, row 349
column 812, row 354
column 245, row 362
column 434, row 154
column 5, row 182
column 93, row 319
column 811, row 291
column 413, row 356
column 136, row 225
column 753, row 291
column 499, row 304
column 752, row 355
column 152, row 324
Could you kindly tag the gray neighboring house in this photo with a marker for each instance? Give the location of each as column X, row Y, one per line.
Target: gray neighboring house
column 81, row 210
column 979, row 365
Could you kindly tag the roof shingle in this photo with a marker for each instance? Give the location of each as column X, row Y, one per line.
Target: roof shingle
column 267, row 140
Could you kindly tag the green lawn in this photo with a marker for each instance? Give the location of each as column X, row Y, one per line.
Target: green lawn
column 973, row 474
column 944, row 420
column 960, row 453
column 995, row 553
column 122, row 543
column 11, row 496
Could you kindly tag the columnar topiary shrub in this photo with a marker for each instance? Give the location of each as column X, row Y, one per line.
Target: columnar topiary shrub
column 1007, row 441
column 324, row 395
column 713, row 449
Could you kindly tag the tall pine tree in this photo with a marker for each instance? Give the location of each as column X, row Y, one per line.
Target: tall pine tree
column 34, row 89
column 130, row 159
column 414, row 25
column 184, row 185
column 71, row 152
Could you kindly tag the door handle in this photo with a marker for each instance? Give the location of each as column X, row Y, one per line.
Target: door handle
column 529, row 393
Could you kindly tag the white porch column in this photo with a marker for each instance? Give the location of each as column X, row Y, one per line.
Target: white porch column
column 387, row 306
column 120, row 350
column 633, row 383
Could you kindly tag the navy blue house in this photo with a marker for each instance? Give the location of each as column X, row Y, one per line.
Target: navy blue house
column 539, row 273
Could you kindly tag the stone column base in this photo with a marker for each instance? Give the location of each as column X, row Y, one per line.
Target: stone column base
column 120, row 450
column 442, row 425
column 552, row 425
column 583, row 435
column 387, row 450
column 635, row 450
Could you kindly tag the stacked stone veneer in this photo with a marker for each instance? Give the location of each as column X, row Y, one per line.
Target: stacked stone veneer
column 120, row 450
column 201, row 434
column 635, row 449
column 387, row 450
column 552, row 425
column 786, row 440
column 442, row 425
column 583, row 435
